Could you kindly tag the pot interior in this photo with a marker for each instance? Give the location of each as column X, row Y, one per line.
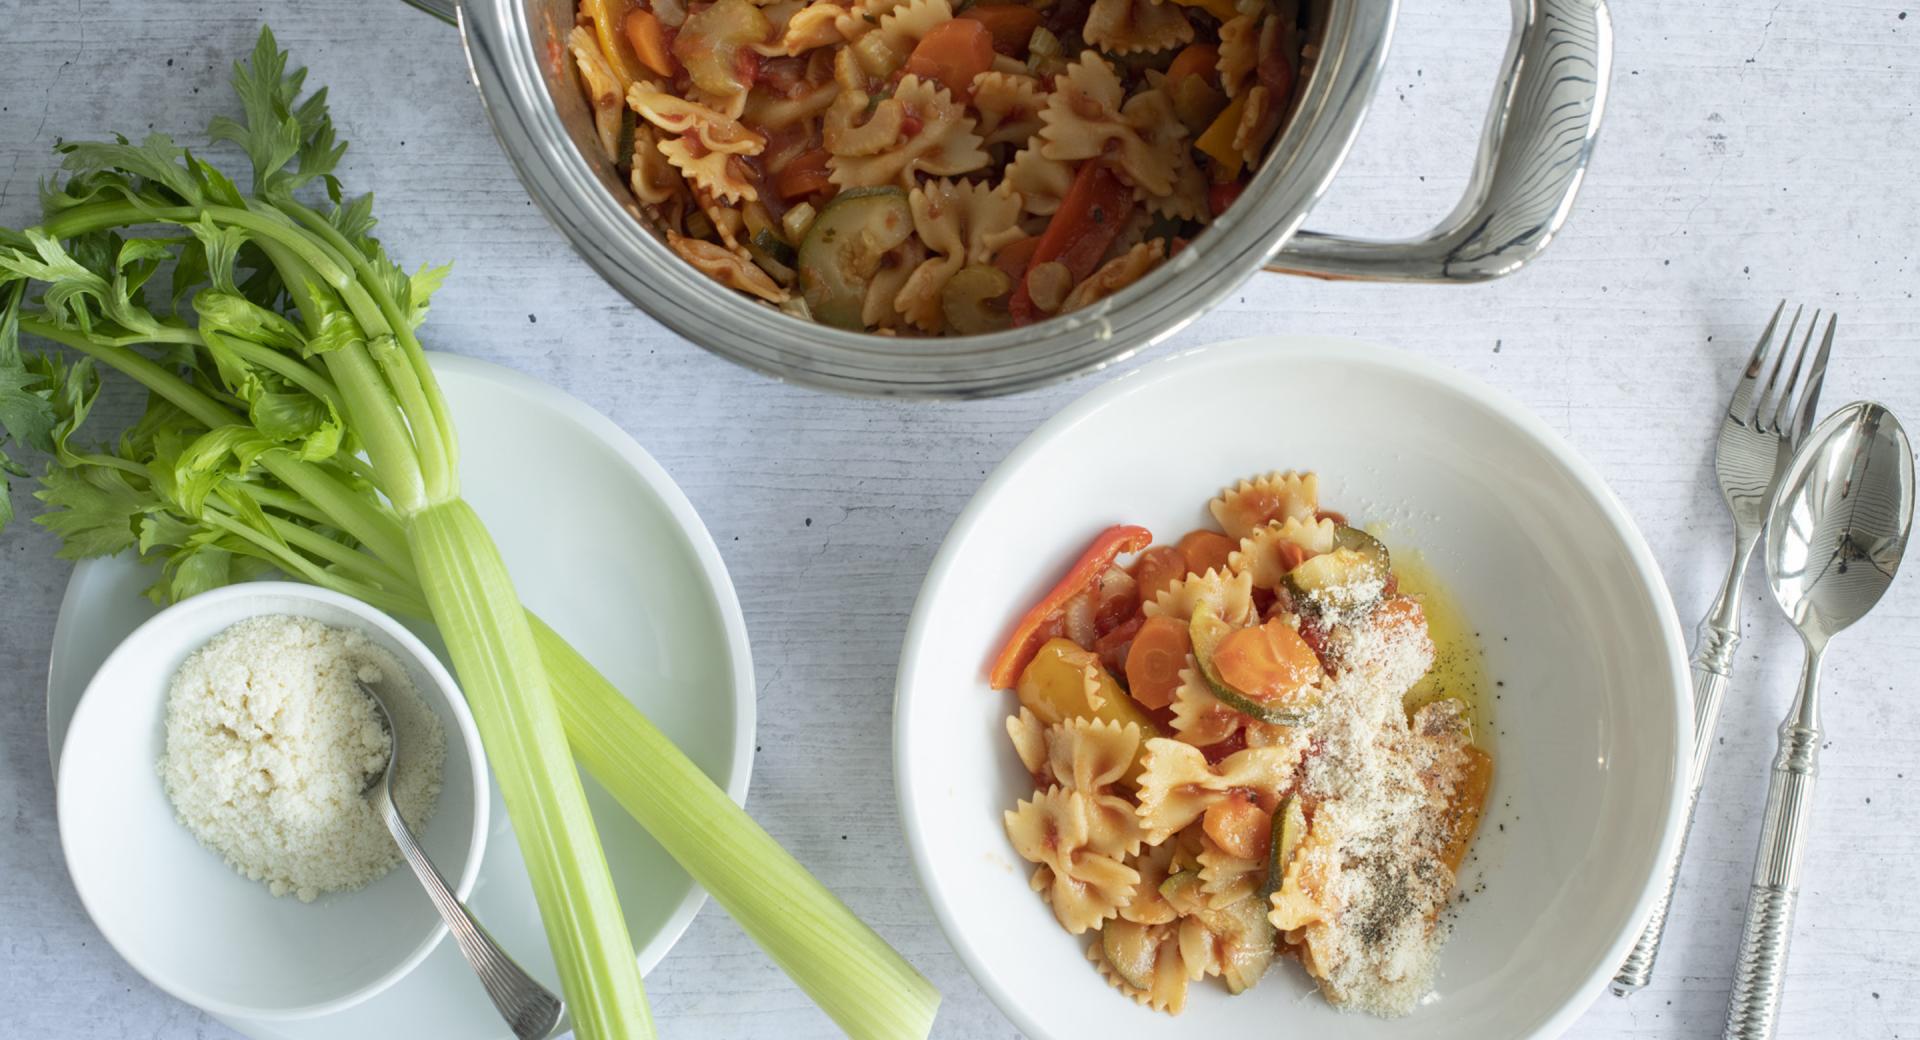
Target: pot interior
column 548, row 130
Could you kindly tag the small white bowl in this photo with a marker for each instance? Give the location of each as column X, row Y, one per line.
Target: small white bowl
column 175, row 910
column 1591, row 728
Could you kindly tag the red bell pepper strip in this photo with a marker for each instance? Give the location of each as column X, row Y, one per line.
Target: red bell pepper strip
column 1047, row 616
column 1086, row 223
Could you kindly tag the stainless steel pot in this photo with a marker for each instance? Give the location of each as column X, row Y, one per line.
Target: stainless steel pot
column 1533, row 154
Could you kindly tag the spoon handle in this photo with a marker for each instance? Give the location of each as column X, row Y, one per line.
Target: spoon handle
column 531, row 1010
column 1760, row 973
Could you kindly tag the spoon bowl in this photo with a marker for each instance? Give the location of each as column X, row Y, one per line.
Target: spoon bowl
column 1840, row 522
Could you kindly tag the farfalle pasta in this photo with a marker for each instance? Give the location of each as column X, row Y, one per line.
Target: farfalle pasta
column 1242, row 761
column 799, row 136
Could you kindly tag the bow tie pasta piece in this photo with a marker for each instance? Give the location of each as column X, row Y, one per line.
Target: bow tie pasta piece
column 1087, row 757
column 1134, row 26
column 1239, row 42
column 704, row 142
column 730, row 269
column 1082, row 886
column 961, row 223
column 1251, row 504
column 602, row 87
column 1188, row 199
column 1270, row 551
column 654, row 180
column 932, row 135
column 1178, row 785
column 1306, row 895
column 909, row 23
column 1039, row 181
column 1085, row 118
column 813, row 26
column 1145, row 962
column 777, row 112
column 1009, row 105
column 1229, row 594
column 879, row 310
column 1200, row 718
column 1149, row 904
column 1227, row 878
column 1116, row 274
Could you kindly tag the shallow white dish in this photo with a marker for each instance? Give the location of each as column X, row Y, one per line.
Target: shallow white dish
column 1591, row 726
column 626, row 572
column 176, row 911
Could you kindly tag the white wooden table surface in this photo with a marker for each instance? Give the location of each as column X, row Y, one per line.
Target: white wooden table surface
column 1752, row 150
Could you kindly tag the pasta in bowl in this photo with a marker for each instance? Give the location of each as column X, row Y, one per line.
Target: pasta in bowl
column 906, row 166
column 1241, row 750
column 1580, row 670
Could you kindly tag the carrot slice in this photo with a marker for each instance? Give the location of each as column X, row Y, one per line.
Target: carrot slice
column 953, row 53
column 1154, row 661
column 1012, row 25
column 1198, row 59
column 650, row 42
column 1464, row 808
column 804, row 174
column 1270, row 663
column 1206, row 551
column 1156, row 569
column 1239, row 827
column 1047, row 618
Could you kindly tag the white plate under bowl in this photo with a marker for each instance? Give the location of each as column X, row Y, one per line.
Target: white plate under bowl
column 1591, row 725
column 605, row 547
column 176, row 911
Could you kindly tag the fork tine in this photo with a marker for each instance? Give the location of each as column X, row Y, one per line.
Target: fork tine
column 1758, row 416
column 1785, row 408
column 1742, row 404
column 1810, row 396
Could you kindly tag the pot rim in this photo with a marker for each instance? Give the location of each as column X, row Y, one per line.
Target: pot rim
column 584, row 198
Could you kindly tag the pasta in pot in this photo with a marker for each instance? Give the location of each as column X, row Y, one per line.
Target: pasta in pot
column 1047, row 154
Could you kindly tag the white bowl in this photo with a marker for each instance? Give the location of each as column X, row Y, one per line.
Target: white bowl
column 175, row 910
column 1592, row 724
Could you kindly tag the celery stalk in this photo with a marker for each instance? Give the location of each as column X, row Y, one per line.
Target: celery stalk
column 486, row 632
column 866, row 987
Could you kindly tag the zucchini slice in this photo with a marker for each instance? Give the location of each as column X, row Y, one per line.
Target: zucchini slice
column 1351, row 575
column 844, row 248
column 1207, row 630
column 1131, row 952
column 1289, row 826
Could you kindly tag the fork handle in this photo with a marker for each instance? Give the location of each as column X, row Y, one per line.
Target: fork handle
column 1761, row 972
column 1712, row 671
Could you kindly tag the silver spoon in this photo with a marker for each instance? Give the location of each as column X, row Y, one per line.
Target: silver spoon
column 531, row 1010
column 1834, row 540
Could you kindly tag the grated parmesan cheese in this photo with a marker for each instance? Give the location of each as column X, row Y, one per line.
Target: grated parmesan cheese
column 270, row 745
column 1375, row 780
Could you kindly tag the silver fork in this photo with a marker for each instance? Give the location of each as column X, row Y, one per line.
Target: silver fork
column 1757, row 437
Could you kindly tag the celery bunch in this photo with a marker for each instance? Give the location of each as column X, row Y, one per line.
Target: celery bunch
column 293, row 425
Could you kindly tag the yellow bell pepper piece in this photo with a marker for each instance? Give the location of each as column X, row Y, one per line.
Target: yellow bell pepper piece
column 609, row 28
column 1217, row 141
column 1055, row 684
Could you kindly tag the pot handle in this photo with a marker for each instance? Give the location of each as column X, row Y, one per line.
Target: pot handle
column 1533, row 153
column 447, row 11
